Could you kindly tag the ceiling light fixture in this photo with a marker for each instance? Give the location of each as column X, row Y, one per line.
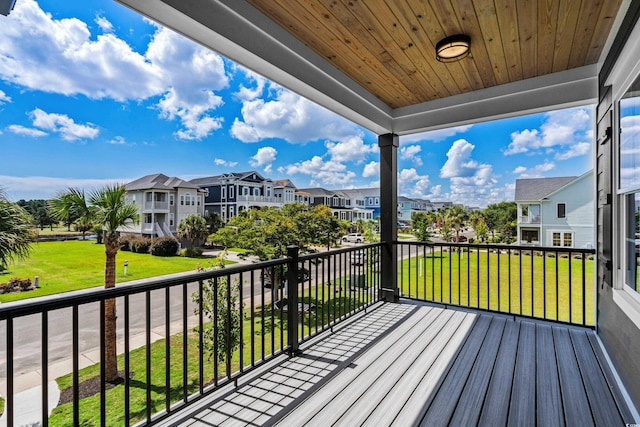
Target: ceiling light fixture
column 453, row 48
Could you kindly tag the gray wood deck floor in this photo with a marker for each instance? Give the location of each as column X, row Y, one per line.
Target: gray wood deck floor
column 406, row 365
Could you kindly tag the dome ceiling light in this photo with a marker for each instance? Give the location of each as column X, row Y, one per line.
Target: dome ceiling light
column 453, row 48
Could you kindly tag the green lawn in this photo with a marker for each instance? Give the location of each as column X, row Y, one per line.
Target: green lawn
column 77, row 264
column 264, row 343
column 476, row 281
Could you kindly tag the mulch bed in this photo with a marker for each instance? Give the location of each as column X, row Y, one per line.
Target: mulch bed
column 90, row 387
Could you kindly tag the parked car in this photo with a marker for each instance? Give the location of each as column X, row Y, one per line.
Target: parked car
column 281, row 276
column 358, row 258
column 460, row 239
column 353, row 238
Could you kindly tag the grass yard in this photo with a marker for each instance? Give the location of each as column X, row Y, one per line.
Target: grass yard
column 268, row 332
column 77, row 264
column 519, row 284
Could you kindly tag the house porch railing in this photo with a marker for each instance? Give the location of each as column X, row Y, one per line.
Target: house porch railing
column 187, row 350
column 542, row 282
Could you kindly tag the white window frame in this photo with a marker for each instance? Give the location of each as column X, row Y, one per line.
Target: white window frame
column 171, row 200
column 232, row 192
column 564, row 208
column 223, row 192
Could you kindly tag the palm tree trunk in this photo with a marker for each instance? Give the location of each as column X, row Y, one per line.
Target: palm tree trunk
column 110, row 354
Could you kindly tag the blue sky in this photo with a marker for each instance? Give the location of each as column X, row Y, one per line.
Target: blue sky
column 91, row 93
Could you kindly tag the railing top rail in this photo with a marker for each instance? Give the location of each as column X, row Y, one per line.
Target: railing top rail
column 500, row 247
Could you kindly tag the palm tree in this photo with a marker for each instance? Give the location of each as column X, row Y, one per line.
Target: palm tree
column 16, row 234
column 456, row 216
column 192, row 228
column 69, row 201
column 109, row 209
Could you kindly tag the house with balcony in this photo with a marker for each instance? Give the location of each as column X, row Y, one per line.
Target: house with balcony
column 534, row 344
column 556, row 212
column 162, row 203
column 231, row 193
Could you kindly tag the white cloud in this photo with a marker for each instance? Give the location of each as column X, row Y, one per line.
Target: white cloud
column 290, row 117
column 21, row 130
column 118, row 140
column 329, row 173
column 371, row 169
column 4, row 98
column 61, row 56
column 411, row 152
column 459, row 162
column 104, row 24
column 434, row 135
column 352, row 149
column 559, row 128
column 264, row 157
column 579, row 149
column 535, row 172
column 222, row 162
column 44, row 187
column 412, row 184
column 190, row 96
column 246, row 93
column 63, row 124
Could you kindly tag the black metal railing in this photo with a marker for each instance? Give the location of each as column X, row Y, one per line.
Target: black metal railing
column 547, row 283
column 181, row 338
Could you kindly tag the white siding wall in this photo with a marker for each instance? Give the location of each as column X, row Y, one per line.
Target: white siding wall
column 579, row 213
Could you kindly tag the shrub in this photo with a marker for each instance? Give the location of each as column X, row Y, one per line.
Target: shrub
column 140, row 245
column 191, row 252
column 551, row 255
column 6, row 288
column 164, row 246
column 125, row 242
column 577, row 256
column 564, row 256
column 591, row 257
column 471, row 240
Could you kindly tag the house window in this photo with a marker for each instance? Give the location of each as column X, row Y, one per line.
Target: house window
column 199, row 200
column 632, row 240
column 568, row 240
column 231, row 211
column 223, row 193
column 232, row 192
column 171, row 220
column 182, row 200
column 245, row 191
column 187, row 200
column 370, row 200
column 629, row 149
column 529, row 236
column 377, row 200
column 149, row 197
column 556, row 239
column 256, row 191
column 171, row 199
column 562, row 239
column 148, row 218
column 562, row 208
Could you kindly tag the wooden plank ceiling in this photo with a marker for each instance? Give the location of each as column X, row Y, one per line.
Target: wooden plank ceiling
column 388, row 46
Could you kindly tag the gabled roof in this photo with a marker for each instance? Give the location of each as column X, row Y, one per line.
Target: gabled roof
column 539, row 188
column 317, row 191
column 159, row 181
column 217, row 179
column 282, row 183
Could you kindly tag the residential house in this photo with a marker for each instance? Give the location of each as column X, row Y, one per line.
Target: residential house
column 231, row 193
column 162, row 203
column 356, row 201
column 556, row 212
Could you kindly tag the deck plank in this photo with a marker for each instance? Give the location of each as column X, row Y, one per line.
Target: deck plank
column 548, row 399
column 611, row 381
column 522, row 408
column 388, row 409
column 406, row 364
column 413, row 409
column 605, row 411
column 341, row 393
column 576, row 406
column 496, row 408
column 469, row 407
column 443, row 406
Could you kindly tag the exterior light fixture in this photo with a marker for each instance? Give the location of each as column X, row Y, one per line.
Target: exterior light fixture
column 453, row 48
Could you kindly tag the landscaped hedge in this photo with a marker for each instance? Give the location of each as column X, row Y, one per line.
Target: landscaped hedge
column 164, row 246
column 140, row 245
column 16, row 285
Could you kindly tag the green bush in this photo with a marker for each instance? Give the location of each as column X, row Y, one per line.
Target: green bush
column 140, row 245
column 191, row 252
column 164, row 246
column 591, row 257
column 125, row 242
column 471, row 240
column 551, row 255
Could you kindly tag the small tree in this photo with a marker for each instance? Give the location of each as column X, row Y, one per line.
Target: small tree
column 222, row 306
column 16, row 234
column 192, row 228
column 73, row 202
column 421, row 226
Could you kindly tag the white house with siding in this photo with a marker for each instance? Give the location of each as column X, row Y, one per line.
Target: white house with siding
column 556, row 212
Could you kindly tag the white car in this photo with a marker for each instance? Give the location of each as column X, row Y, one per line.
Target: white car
column 353, row 238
